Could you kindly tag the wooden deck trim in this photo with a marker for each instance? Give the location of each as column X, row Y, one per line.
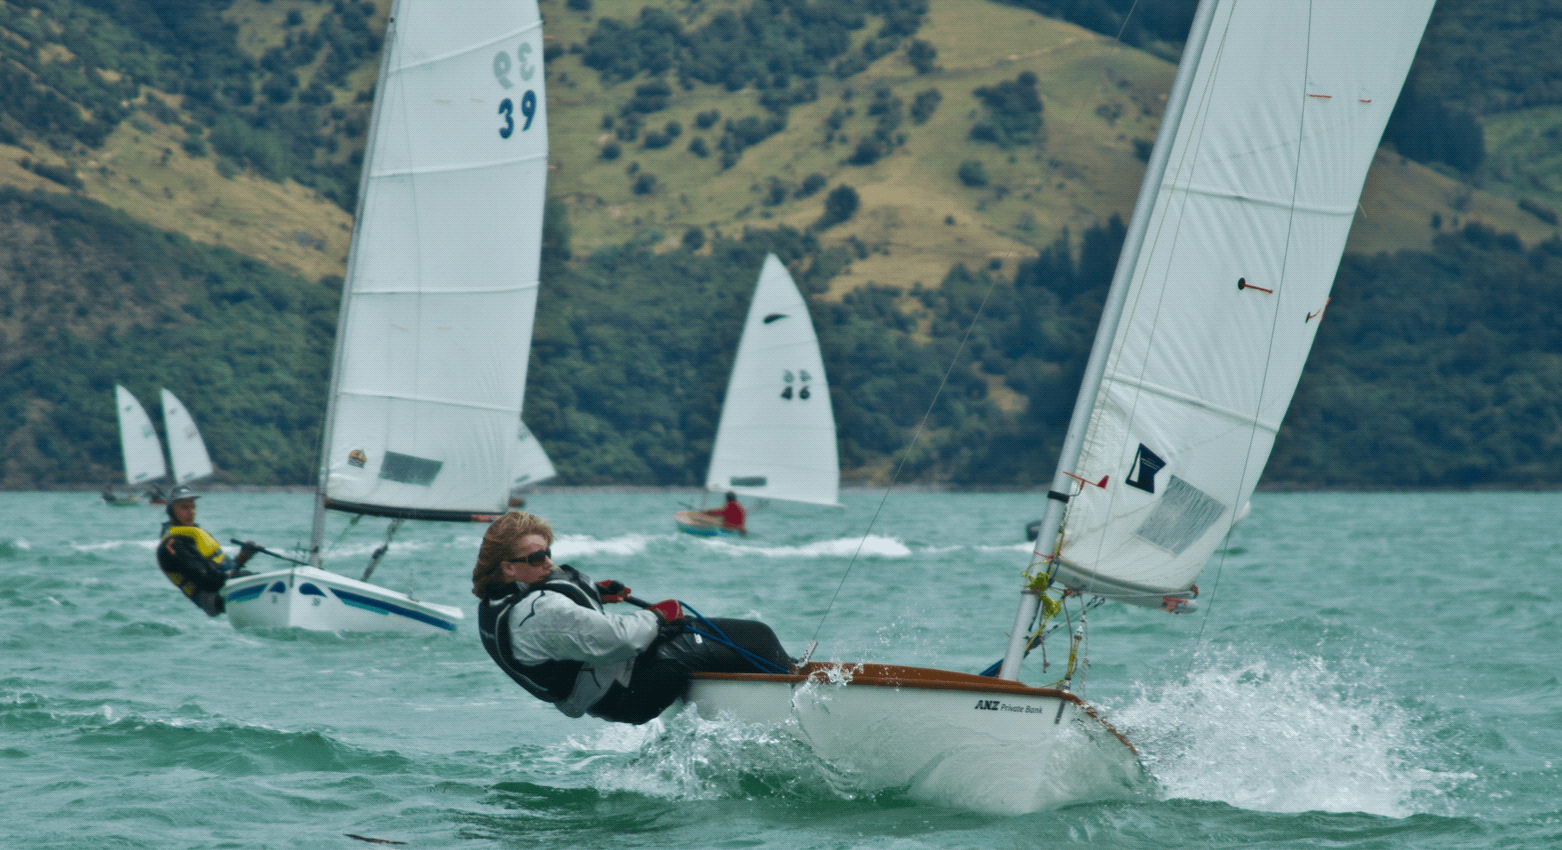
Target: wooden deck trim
column 919, row 678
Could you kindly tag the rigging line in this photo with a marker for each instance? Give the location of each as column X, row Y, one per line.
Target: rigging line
column 1269, row 354
column 921, row 424
column 1054, row 165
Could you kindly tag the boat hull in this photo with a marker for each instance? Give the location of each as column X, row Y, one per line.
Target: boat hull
column 702, row 524
column 947, row 738
column 317, row 600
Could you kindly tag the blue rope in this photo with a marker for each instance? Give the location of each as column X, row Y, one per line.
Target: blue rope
column 764, row 665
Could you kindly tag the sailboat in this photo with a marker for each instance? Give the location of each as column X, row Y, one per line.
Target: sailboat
column 532, row 465
column 440, row 293
column 186, row 450
column 776, row 437
column 138, row 443
column 1271, row 125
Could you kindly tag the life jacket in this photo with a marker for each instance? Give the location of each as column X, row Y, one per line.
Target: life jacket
column 550, row 681
column 190, row 571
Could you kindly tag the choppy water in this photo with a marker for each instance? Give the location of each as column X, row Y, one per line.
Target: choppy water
column 1370, row 670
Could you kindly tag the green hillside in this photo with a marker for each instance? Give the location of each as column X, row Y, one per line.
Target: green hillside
column 905, row 158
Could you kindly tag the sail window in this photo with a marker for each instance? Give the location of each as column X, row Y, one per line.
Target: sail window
column 407, row 469
column 748, row 481
column 1180, row 517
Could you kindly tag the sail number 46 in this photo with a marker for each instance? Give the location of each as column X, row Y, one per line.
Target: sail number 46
column 525, row 70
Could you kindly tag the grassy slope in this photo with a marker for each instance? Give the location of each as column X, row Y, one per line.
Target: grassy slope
column 1099, row 98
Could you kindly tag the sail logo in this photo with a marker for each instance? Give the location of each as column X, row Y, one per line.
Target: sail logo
column 773, row 317
column 1142, row 474
column 986, row 705
column 357, row 458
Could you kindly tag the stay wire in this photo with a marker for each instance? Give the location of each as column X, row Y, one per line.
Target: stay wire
column 917, row 434
column 1117, row 43
column 1301, row 125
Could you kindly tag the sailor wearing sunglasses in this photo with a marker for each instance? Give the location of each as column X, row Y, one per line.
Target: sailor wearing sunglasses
column 544, row 625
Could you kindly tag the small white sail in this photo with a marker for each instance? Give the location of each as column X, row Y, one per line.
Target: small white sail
column 138, row 443
column 186, row 449
column 442, row 282
column 776, row 439
column 1229, row 283
column 531, row 462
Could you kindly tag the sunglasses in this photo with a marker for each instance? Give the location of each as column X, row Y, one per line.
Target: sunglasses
column 534, row 558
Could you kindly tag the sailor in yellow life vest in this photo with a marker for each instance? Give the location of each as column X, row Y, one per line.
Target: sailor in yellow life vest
column 191, row 558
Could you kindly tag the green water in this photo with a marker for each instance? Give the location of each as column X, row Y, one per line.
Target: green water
column 1369, row 670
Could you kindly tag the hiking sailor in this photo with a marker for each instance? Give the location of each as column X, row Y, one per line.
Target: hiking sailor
column 544, row 625
column 191, row 558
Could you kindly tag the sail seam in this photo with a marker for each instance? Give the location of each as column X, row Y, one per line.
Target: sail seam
column 1192, row 401
column 466, row 50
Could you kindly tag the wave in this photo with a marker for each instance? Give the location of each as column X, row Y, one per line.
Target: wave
column 683, row 757
column 1284, row 736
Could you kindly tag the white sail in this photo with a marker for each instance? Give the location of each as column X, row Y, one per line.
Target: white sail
column 138, row 442
column 442, row 279
column 531, row 461
column 186, row 449
column 1242, row 237
column 776, row 439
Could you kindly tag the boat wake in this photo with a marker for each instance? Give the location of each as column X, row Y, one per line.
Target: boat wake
column 568, row 546
column 1286, row 736
column 683, row 757
column 872, row 546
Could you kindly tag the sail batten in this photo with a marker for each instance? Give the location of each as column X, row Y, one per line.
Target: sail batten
column 429, row 400
column 1285, row 203
column 462, row 52
column 457, row 167
column 1235, row 416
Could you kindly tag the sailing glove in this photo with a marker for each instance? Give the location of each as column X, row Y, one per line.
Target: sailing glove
column 612, row 591
column 247, row 551
column 668, row 611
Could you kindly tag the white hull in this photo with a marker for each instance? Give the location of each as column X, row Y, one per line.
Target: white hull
column 952, row 739
column 317, row 600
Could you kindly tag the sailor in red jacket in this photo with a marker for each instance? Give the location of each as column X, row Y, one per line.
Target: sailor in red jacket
column 732, row 515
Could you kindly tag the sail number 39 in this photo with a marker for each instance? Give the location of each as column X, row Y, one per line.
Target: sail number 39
column 525, row 70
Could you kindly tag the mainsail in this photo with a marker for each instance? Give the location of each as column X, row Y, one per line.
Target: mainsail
column 776, row 439
column 531, row 461
column 186, row 449
column 1230, row 257
column 143, row 452
column 442, row 278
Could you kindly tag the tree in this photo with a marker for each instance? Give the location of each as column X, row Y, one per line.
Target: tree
column 840, row 205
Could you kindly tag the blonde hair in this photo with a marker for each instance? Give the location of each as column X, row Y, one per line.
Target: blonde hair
column 499, row 544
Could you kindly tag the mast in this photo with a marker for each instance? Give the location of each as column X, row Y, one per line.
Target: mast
column 317, row 531
column 1095, row 367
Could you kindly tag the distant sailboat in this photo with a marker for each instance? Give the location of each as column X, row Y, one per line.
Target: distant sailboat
column 139, row 446
column 440, row 294
column 1251, row 189
column 186, row 449
column 531, row 465
column 776, row 438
